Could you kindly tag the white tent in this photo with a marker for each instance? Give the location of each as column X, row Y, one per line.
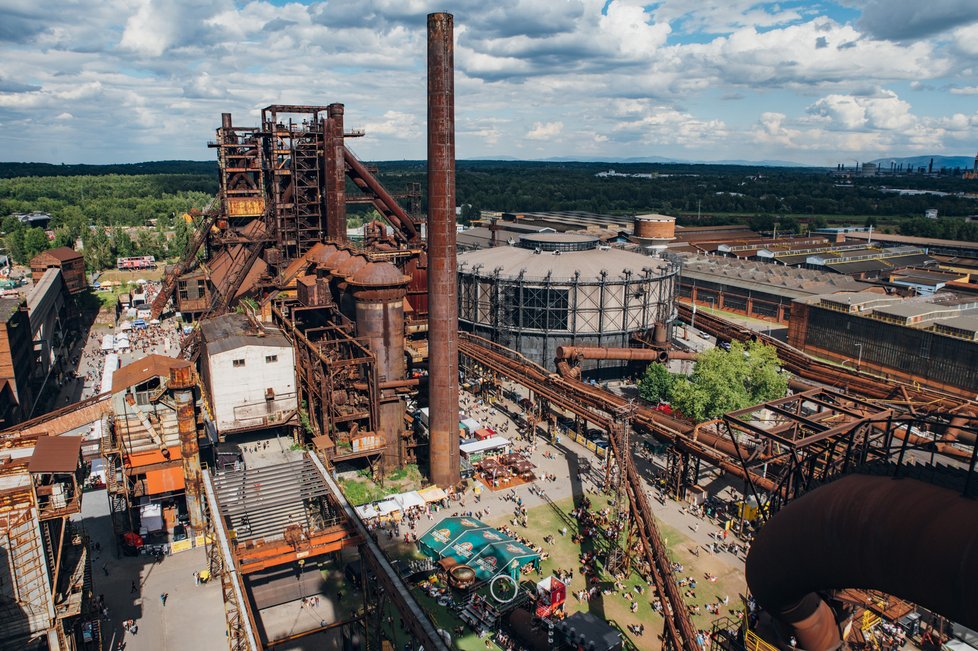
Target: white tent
column 121, row 342
column 125, row 326
column 367, row 511
column 387, row 507
column 472, row 425
column 408, row 500
column 151, row 517
column 432, row 494
column 108, row 342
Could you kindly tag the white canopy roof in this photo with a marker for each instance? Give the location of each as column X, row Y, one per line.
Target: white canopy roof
column 367, row 511
column 409, row 500
column 387, row 506
column 108, row 342
column 432, row 494
column 491, row 443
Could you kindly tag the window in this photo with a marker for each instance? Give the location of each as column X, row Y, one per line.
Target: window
column 269, row 359
column 237, row 362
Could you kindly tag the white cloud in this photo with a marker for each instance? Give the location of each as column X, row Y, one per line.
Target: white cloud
column 545, row 130
column 596, row 77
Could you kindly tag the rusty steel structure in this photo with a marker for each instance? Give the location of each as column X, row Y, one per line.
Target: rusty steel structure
column 442, row 278
column 182, row 383
column 817, row 435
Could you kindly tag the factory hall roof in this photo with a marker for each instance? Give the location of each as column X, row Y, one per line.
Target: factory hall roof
column 560, row 266
column 792, row 282
column 61, row 254
column 234, row 330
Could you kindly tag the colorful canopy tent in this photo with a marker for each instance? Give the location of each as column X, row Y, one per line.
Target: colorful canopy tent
column 472, row 542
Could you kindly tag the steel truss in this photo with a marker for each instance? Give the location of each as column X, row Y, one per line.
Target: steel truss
column 806, row 439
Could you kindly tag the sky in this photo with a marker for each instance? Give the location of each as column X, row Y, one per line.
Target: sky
column 817, row 82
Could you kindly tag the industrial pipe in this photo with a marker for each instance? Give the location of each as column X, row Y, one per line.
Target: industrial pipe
column 904, row 537
column 442, row 280
column 623, row 354
column 956, row 428
column 181, row 383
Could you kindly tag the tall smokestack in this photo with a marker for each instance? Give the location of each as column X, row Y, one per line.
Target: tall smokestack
column 335, row 175
column 442, row 274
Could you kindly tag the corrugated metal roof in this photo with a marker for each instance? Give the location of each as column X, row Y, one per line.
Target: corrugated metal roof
column 143, row 369
column 234, row 330
column 61, row 254
column 56, row 454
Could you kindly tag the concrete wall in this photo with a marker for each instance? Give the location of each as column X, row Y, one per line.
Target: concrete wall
column 238, row 393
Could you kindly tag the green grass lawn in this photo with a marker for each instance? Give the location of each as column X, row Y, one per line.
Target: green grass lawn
column 564, row 554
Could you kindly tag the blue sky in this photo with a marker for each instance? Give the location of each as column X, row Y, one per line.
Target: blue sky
column 814, row 82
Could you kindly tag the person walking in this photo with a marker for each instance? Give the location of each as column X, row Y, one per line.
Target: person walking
column 163, row 598
column 133, row 589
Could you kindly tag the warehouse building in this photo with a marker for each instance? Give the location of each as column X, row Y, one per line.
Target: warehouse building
column 553, row 289
column 929, row 340
column 755, row 289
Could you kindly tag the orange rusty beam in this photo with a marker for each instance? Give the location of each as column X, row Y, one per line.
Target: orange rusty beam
column 264, row 556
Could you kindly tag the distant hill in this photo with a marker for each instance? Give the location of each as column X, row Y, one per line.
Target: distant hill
column 950, row 162
column 650, row 159
column 10, row 170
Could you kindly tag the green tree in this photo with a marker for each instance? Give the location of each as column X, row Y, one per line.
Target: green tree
column 656, row 383
column 725, row 381
column 98, row 250
column 122, row 243
column 14, row 243
column 35, row 241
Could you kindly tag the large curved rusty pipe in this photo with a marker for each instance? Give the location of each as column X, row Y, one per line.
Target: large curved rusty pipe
column 622, row 354
column 903, row 537
column 955, row 429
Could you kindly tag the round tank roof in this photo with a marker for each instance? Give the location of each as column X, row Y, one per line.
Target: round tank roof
column 336, row 258
column 559, row 241
column 351, row 265
column 378, row 274
column 323, row 253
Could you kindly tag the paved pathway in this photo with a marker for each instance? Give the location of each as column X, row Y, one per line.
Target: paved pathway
column 193, row 617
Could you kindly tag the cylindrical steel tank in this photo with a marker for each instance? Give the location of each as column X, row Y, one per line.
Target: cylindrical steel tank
column 378, row 290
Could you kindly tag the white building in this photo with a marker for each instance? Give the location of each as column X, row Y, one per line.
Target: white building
column 249, row 374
